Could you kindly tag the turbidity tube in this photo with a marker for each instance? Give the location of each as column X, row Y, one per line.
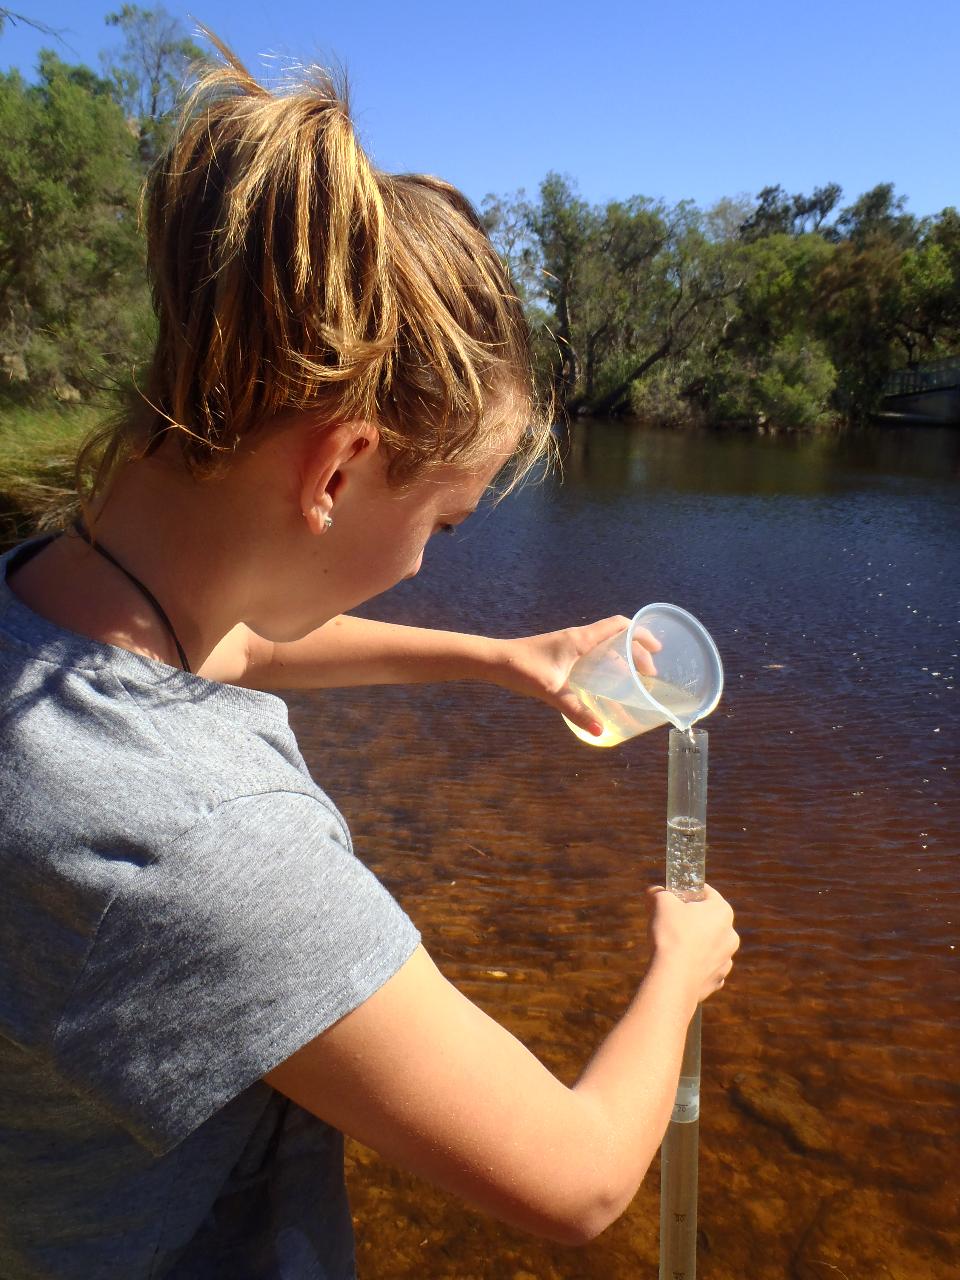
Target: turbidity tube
column 686, row 857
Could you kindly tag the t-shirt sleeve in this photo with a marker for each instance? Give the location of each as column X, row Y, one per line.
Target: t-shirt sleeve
column 246, row 938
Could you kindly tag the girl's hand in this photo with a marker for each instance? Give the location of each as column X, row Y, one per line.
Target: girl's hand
column 539, row 666
column 694, row 938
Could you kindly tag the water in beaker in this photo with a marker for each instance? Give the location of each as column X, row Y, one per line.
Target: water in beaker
column 622, row 709
column 626, row 700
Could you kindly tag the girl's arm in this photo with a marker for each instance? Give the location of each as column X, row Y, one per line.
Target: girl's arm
column 424, row 1077
column 356, row 651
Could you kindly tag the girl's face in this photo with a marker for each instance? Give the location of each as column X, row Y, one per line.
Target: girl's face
column 377, row 539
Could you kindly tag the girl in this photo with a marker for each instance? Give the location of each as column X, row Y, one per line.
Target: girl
column 201, row 988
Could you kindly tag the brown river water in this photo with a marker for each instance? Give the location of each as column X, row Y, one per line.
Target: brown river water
column 828, row 572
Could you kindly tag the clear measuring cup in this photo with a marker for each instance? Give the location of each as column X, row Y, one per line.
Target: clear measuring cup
column 686, row 687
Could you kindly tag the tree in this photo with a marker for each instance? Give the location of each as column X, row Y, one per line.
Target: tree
column 857, row 311
column 506, row 220
column 149, row 70
column 944, row 232
column 778, row 291
column 561, row 224
column 623, row 286
column 788, row 384
column 878, row 213
column 768, row 364
column 779, row 214
column 71, row 278
column 8, row 16
column 679, row 304
column 723, row 221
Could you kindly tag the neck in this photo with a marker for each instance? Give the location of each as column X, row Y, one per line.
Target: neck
column 82, row 532
column 216, row 553
column 168, row 530
column 182, row 539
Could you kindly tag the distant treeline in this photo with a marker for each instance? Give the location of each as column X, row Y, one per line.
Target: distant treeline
column 788, row 309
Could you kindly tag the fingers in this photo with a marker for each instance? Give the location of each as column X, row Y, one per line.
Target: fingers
column 596, row 632
column 703, row 943
column 723, row 976
column 647, row 639
column 569, row 704
column 644, row 644
column 709, row 895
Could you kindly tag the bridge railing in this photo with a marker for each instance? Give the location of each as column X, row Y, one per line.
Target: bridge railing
column 931, row 376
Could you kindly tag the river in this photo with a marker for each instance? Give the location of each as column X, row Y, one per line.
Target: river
column 826, row 569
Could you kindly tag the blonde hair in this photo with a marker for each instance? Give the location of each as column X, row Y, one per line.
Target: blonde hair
column 288, row 273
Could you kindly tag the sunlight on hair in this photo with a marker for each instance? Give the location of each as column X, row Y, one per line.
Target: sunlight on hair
column 290, row 274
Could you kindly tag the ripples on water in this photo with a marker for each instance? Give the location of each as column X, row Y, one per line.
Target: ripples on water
column 826, row 571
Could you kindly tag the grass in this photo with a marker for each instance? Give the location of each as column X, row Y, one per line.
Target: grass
column 37, row 450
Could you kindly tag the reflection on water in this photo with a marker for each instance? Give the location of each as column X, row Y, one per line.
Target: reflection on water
column 826, row 571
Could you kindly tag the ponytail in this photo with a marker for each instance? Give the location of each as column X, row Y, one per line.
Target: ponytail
column 289, row 274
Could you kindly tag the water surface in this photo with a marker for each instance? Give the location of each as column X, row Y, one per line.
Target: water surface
column 827, row 572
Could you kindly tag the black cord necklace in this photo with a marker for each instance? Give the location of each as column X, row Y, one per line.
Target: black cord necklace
column 81, row 529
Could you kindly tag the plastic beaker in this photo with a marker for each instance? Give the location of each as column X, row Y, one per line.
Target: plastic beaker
column 686, row 688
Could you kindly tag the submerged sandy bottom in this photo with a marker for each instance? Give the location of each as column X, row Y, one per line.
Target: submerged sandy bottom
column 830, row 1108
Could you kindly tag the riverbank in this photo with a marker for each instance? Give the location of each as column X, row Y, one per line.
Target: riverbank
column 38, row 446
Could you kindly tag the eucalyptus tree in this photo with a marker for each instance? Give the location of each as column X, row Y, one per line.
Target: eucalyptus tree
column 682, row 296
column 777, row 213
column 9, row 17
column 561, row 225
column 769, row 364
column 70, row 256
column 878, row 214
column 618, row 287
column 944, row 232
column 149, row 68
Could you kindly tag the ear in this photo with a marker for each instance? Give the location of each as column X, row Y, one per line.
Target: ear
column 330, row 460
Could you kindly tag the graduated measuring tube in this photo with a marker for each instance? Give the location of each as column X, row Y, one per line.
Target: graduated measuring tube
column 685, row 686
column 686, row 858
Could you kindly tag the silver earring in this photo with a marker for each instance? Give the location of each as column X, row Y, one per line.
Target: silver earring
column 328, row 522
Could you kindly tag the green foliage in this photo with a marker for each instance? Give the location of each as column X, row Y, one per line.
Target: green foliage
column 620, row 286
column 779, row 279
column 878, row 214
column 507, row 222
column 786, row 308
column 776, row 213
column 71, row 281
column 660, row 396
column 789, row 385
column 792, row 309
column 149, row 70
column 944, row 234
column 858, row 311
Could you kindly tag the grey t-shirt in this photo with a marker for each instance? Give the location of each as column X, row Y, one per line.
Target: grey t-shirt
column 180, row 910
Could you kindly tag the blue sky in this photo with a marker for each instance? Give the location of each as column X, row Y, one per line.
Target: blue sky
column 690, row 99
